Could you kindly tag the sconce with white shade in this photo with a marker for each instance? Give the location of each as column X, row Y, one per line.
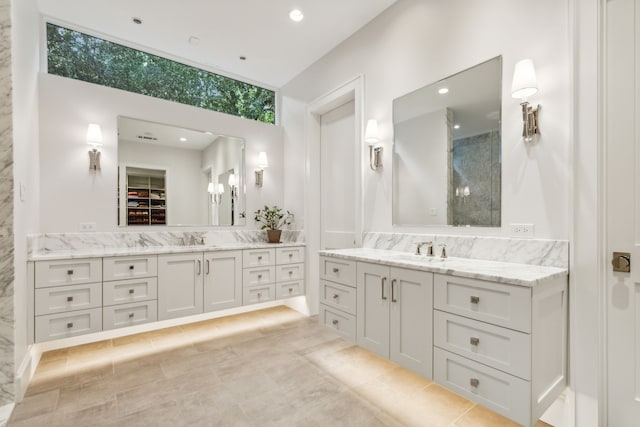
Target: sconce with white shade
column 524, row 85
column 232, row 186
column 216, row 197
column 263, row 163
column 94, row 139
column 370, row 138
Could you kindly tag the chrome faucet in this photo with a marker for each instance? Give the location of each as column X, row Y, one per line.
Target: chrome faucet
column 192, row 241
column 443, row 254
column 429, row 246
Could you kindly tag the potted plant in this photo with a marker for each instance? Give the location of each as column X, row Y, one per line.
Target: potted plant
column 273, row 219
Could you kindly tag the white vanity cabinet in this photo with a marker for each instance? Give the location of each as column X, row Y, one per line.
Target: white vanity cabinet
column 67, row 298
column 338, row 296
column 222, row 280
column 272, row 273
column 129, row 291
column 394, row 314
column 289, row 272
column 501, row 345
column 180, row 285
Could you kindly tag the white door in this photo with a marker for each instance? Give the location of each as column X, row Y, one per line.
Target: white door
column 180, row 281
column 622, row 107
column 222, row 280
column 411, row 318
column 338, row 169
column 372, row 308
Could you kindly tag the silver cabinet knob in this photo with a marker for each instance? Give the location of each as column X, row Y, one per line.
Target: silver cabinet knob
column 290, row 272
column 131, row 267
column 474, row 382
column 290, row 255
column 130, row 315
column 69, row 325
column 260, row 258
column 69, row 299
column 335, row 296
column 259, row 276
column 475, row 300
column 131, row 291
column 474, row 341
column 336, row 269
column 69, row 272
column 290, row 290
column 335, row 321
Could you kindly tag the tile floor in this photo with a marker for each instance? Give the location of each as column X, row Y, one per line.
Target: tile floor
column 272, row 367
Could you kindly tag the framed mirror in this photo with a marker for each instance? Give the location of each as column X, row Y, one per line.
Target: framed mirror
column 173, row 176
column 447, row 151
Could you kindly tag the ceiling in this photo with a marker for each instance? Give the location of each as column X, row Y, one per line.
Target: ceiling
column 276, row 48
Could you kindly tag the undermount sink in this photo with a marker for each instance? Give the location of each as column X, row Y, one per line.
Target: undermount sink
column 415, row 258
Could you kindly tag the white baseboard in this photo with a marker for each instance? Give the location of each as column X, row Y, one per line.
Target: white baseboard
column 26, row 370
column 561, row 412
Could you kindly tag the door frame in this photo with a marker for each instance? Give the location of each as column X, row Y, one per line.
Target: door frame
column 352, row 90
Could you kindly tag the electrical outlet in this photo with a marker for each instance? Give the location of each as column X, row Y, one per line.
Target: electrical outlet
column 87, row 226
column 523, row 230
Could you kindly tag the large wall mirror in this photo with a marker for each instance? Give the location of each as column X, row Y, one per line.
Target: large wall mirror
column 168, row 175
column 447, row 150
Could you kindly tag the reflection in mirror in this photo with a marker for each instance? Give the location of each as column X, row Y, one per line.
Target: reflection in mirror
column 447, row 150
column 173, row 176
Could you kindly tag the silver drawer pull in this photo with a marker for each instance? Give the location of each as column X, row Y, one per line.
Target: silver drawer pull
column 290, row 290
column 260, row 258
column 474, row 382
column 69, row 299
column 69, row 272
column 290, row 255
column 475, row 300
column 290, row 272
column 131, row 291
column 130, row 315
column 335, row 296
column 259, row 295
column 336, row 269
column 131, row 267
column 474, row 341
column 335, row 321
column 69, row 325
column 259, row 276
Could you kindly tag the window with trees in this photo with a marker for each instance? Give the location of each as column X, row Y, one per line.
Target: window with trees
column 80, row 56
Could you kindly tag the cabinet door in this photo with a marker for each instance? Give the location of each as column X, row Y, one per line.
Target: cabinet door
column 180, row 280
column 222, row 280
column 372, row 310
column 411, row 321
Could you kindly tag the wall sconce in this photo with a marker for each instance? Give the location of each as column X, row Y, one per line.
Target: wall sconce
column 232, row 186
column 371, row 137
column 263, row 163
column 216, row 197
column 524, row 85
column 94, row 139
column 463, row 192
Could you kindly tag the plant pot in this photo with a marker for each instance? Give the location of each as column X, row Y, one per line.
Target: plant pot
column 274, row 236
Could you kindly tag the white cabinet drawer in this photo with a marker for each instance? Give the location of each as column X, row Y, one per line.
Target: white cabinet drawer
column 289, row 255
column 289, row 272
column 258, row 276
column 119, row 316
column 500, row 348
column 338, row 270
column 342, row 323
column 61, row 299
column 500, row 392
column 260, row 293
column 130, row 267
column 258, row 257
column 68, row 272
column 63, row 325
column 497, row 303
column 126, row 291
column 338, row 296
column 289, row 289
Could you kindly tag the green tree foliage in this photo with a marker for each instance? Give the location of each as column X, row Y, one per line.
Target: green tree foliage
column 79, row 56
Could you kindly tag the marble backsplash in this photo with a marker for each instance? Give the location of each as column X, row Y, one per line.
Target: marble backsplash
column 52, row 242
column 550, row 253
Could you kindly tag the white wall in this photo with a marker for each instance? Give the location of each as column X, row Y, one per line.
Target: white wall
column 292, row 113
column 71, row 195
column 417, row 42
column 25, row 58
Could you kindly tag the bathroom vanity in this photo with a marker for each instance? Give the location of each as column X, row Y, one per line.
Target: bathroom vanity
column 83, row 292
column 491, row 331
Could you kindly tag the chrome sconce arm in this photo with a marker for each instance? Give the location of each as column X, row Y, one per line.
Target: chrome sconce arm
column 529, row 121
column 371, row 137
column 525, row 84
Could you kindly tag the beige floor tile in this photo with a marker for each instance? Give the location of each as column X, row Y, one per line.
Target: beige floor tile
column 36, row 405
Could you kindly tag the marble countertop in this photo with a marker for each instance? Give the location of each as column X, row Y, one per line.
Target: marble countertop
column 503, row 272
column 153, row 250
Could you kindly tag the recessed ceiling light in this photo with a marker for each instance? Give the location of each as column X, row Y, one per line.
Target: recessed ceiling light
column 443, row 90
column 456, row 126
column 136, row 20
column 183, row 139
column 209, row 133
column 296, row 15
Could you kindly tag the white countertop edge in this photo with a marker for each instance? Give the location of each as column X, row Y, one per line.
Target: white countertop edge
column 496, row 271
column 155, row 250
